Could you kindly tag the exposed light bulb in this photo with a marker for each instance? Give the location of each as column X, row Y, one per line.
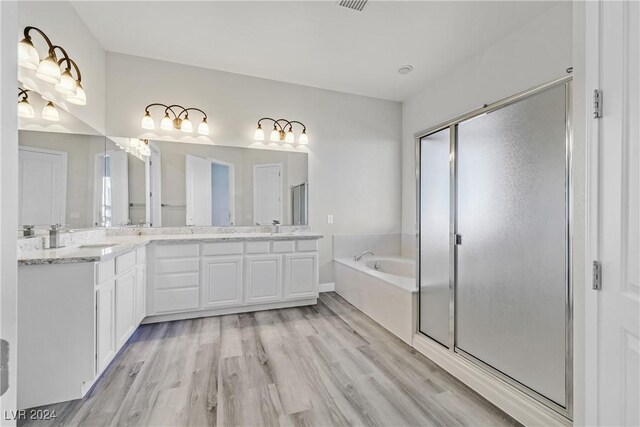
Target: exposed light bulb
column 166, row 123
column 79, row 97
column 275, row 134
column 290, row 138
column 147, row 121
column 25, row 109
column 28, row 55
column 203, row 127
column 259, row 134
column 186, row 126
column 49, row 70
column 303, row 140
column 67, row 84
column 50, row 112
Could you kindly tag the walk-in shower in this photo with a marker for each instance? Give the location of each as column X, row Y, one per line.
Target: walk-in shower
column 494, row 243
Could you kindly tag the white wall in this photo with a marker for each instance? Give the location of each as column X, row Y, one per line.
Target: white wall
column 60, row 21
column 536, row 53
column 8, row 199
column 354, row 149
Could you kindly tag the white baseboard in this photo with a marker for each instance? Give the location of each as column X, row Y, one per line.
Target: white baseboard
column 514, row 402
column 327, row 287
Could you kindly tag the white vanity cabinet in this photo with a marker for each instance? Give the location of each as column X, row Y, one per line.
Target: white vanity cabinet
column 264, row 278
column 120, row 303
column 105, row 324
column 204, row 279
column 222, row 281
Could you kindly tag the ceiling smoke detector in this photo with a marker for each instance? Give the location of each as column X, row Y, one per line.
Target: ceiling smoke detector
column 353, row 4
column 405, row 69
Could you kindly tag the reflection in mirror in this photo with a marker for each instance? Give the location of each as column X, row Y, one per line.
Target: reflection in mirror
column 58, row 177
column 180, row 184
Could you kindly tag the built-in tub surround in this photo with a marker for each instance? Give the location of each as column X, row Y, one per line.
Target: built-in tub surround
column 388, row 297
column 381, row 285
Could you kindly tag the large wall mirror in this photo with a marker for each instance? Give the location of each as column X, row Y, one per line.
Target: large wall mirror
column 178, row 184
column 85, row 181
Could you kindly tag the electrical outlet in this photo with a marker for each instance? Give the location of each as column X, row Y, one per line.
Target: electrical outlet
column 329, row 219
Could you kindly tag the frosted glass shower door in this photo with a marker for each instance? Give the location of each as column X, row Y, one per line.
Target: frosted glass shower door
column 512, row 280
column 435, row 295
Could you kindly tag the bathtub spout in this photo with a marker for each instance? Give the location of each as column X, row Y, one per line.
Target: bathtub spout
column 359, row 257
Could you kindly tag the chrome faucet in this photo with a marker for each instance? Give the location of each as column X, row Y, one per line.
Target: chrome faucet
column 28, row 230
column 359, row 257
column 276, row 226
column 54, row 236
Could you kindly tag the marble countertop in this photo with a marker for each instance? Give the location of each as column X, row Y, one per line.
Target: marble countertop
column 89, row 252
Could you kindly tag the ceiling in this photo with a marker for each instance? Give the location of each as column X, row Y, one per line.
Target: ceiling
column 312, row 43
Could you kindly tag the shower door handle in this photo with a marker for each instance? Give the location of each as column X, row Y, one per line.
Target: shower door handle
column 457, row 238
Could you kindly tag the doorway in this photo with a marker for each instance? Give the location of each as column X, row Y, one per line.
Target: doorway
column 42, row 185
column 267, row 193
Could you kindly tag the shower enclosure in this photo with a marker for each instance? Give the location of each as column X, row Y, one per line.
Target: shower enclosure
column 494, row 240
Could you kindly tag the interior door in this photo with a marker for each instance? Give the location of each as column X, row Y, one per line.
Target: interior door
column 512, row 261
column 198, row 178
column 613, row 313
column 267, row 193
column 42, row 186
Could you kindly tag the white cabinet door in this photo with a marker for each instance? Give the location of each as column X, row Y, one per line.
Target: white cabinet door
column 263, row 278
column 222, row 281
column 301, row 276
column 105, row 325
column 141, row 292
column 125, row 307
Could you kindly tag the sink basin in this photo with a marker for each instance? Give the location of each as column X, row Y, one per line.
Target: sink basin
column 97, row 246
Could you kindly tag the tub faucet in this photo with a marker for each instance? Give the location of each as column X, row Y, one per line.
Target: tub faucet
column 359, row 257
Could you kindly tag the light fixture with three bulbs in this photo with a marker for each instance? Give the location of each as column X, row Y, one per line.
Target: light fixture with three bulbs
column 282, row 131
column 49, row 69
column 180, row 120
column 25, row 109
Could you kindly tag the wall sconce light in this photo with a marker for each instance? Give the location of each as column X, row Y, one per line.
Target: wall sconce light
column 48, row 69
column 180, row 121
column 25, row 109
column 280, row 131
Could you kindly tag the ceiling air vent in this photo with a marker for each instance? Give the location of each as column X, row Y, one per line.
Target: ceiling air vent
column 353, row 4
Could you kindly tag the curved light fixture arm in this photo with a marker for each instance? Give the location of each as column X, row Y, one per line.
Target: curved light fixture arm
column 304, row 128
column 186, row 110
column 24, row 93
column 72, row 64
column 44, row 36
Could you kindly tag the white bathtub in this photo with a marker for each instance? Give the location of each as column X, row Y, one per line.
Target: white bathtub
column 384, row 288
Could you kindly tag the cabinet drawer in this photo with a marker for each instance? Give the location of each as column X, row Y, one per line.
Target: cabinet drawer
column 141, row 255
column 257, row 247
column 167, row 266
column 227, row 248
column 178, row 251
column 125, row 262
column 105, row 271
column 284, row 246
column 175, row 281
column 307, row 245
column 177, row 299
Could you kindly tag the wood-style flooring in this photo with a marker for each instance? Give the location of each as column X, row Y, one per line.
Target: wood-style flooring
column 323, row 365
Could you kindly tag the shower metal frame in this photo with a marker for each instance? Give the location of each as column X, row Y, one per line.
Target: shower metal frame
column 452, row 125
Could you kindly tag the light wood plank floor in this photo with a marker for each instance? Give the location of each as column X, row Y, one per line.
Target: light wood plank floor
column 323, row 365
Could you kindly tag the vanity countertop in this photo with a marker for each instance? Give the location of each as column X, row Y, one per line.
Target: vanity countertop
column 90, row 252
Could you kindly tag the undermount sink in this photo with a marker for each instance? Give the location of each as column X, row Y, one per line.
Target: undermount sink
column 97, row 246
